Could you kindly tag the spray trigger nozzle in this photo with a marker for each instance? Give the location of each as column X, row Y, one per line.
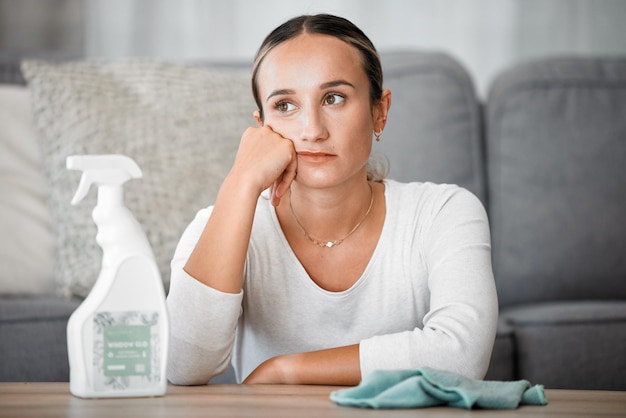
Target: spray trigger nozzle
column 102, row 170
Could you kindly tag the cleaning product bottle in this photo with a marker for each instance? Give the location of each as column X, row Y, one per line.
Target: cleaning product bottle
column 118, row 337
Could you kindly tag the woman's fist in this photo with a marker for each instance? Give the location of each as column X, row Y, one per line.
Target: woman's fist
column 267, row 160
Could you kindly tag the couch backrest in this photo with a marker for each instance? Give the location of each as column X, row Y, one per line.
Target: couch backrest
column 556, row 151
column 434, row 129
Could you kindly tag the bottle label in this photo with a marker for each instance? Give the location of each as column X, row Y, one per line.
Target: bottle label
column 126, row 350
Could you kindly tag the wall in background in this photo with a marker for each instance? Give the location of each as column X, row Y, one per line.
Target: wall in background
column 485, row 35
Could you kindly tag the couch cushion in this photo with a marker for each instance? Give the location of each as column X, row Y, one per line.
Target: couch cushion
column 33, row 342
column 571, row 345
column 26, row 249
column 433, row 131
column 556, row 146
column 181, row 123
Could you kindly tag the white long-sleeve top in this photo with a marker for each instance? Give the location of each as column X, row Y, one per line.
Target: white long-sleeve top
column 426, row 298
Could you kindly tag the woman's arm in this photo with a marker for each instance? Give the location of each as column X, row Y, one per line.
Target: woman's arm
column 459, row 329
column 204, row 301
column 202, row 319
column 334, row 366
column 264, row 159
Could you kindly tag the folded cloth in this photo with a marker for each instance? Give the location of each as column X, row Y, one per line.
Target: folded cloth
column 426, row 387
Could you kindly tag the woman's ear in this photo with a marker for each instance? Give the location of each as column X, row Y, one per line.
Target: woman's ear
column 381, row 109
column 257, row 118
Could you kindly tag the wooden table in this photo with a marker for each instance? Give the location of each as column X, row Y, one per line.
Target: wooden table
column 54, row 400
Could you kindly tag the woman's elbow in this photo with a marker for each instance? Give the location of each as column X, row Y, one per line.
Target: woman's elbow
column 190, row 366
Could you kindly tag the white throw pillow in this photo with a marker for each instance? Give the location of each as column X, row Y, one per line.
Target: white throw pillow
column 26, row 248
column 180, row 123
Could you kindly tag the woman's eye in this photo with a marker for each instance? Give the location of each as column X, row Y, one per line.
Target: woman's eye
column 284, row 106
column 334, row 98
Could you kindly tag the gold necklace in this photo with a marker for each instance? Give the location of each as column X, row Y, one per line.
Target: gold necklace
column 331, row 244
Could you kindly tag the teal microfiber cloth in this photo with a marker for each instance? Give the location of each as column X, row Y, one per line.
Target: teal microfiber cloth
column 427, row 387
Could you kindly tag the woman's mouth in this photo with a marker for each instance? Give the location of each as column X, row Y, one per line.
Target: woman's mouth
column 314, row 157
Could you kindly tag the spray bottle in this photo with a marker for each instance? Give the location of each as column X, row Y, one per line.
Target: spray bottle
column 118, row 337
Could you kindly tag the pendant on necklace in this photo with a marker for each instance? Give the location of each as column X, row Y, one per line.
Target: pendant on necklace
column 331, row 244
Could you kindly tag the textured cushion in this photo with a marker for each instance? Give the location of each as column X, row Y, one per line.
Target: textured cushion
column 26, row 249
column 556, row 148
column 180, row 123
column 571, row 345
column 433, row 131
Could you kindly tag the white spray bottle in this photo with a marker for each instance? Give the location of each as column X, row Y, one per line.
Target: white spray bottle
column 118, row 337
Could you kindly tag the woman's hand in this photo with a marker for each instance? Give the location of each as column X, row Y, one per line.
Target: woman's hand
column 266, row 159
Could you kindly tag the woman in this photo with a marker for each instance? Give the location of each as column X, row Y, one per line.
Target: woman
column 337, row 272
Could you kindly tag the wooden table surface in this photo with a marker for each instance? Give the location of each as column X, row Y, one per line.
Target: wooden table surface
column 54, row 400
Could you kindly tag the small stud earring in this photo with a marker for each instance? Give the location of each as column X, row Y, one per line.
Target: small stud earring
column 377, row 135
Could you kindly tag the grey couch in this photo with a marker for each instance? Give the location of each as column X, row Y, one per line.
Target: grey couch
column 545, row 152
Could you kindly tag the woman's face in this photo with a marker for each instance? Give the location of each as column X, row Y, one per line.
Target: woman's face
column 314, row 91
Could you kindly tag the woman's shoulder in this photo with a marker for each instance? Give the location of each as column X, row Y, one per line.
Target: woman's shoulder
column 411, row 195
column 426, row 189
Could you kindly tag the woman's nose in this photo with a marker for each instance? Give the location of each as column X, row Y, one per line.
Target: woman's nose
column 312, row 125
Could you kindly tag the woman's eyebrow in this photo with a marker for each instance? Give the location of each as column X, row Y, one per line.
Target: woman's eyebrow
column 336, row 83
column 279, row 93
